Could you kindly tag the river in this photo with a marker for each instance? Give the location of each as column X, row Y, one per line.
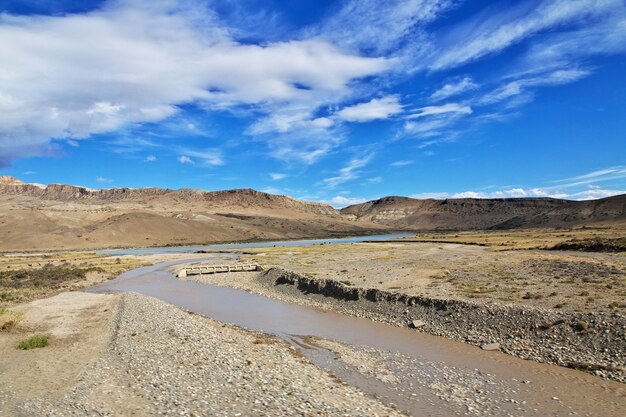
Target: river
column 535, row 389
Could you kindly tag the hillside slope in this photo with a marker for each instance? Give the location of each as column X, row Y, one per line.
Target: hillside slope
column 471, row 214
column 56, row 216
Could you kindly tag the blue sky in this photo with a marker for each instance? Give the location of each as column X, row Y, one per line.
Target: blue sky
column 335, row 101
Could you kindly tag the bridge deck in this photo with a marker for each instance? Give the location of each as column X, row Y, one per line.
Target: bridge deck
column 214, row 269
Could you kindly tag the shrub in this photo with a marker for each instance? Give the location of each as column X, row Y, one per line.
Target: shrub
column 581, row 326
column 10, row 319
column 38, row 341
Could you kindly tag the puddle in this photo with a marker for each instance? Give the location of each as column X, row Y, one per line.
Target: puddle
column 577, row 393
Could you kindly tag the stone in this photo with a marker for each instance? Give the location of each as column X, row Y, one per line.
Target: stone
column 491, row 346
column 416, row 324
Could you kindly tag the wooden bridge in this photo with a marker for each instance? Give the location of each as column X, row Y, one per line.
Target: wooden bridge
column 215, row 269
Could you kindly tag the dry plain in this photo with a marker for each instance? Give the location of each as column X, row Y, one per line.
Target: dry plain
column 100, row 358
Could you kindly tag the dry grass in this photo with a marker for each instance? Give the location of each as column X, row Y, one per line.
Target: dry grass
column 25, row 277
column 524, row 238
column 9, row 319
column 565, row 280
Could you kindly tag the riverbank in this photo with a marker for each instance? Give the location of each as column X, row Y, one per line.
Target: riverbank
column 102, row 360
column 591, row 342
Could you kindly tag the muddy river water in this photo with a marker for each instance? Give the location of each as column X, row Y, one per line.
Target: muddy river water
column 513, row 386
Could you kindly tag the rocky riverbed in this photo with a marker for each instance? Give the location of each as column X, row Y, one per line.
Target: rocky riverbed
column 161, row 360
column 592, row 342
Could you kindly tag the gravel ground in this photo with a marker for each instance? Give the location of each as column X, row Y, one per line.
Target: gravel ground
column 165, row 361
column 412, row 380
column 528, row 332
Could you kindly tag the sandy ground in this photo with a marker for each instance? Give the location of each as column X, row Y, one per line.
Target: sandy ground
column 574, row 281
column 99, row 268
column 79, row 327
column 101, row 361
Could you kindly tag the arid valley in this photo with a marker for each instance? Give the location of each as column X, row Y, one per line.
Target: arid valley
column 265, row 208
column 517, row 310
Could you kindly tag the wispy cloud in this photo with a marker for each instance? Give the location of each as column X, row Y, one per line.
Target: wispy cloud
column 454, row 88
column 349, row 172
column 517, row 87
column 574, row 188
column 374, row 109
column 374, row 180
column 433, row 121
column 589, row 194
column 104, row 180
column 185, row 160
column 401, row 163
column 485, row 35
column 380, row 28
column 150, row 158
column 436, row 110
column 208, row 157
column 341, row 201
column 605, row 174
column 277, row 176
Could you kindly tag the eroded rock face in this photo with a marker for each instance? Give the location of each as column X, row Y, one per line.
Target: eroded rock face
column 242, row 198
column 473, row 213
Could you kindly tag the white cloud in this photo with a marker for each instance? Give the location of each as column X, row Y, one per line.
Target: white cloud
column 518, row 87
column 374, row 109
column 183, row 159
column 104, row 180
column 401, row 163
column 150, row 158
column 454, row 88
column 507, row 193
column 573, row 188
column 436, row 110
column 341, row 201
column 433, row 121
column 596, row 176
column 273, row 190
column 277, row 176
column 483, row 35
column 76, row 75
column 375, row 180
column 380, row 28
column 29, row 172
column 210, row 157
column 349, row 172
column 566, row 49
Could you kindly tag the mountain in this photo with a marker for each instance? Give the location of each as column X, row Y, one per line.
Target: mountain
column 59, row 216
column 56, row 216
column 472, row 213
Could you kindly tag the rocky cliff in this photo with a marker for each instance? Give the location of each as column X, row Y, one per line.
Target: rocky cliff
column 471, row 213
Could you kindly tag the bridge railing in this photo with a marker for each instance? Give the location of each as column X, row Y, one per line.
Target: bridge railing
column 215, row 269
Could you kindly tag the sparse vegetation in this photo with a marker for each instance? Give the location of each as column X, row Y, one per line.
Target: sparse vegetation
column 581, row 326
column 29, row 276
column 37, row 341
column 9, row 319
column 595, row 244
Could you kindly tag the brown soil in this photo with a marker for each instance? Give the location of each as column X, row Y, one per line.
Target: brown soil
column 79, row 326
column 562, row 280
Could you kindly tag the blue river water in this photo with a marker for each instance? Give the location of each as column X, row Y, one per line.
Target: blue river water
column 346, row 240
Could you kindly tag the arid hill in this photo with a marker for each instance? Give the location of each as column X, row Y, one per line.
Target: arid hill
column 57, row 216
column 472, row 213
